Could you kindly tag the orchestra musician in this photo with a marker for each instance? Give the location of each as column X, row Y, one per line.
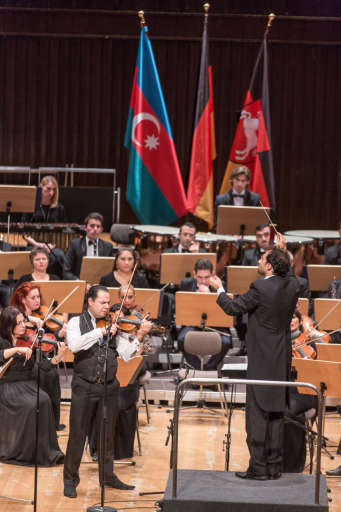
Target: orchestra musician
column 86, row 341
column 123, row 269
column 50, row 211
column 39, row 258
column 88, row 245
column 28, row 299
column 239, row 195
column 333, row 254
column 203, row 270
column 133, row 336
column 18, row 398
column 187, row 241
column 270, row 303
column 300, row 342
column 263, row 241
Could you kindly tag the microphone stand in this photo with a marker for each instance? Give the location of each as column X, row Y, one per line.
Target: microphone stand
column 103, row 434
column 40, row 336
column 227, row 443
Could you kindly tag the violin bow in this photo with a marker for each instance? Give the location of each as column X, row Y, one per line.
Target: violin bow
column 125, row 295
column 154, row 295
column 49, row 314
column 328, row 313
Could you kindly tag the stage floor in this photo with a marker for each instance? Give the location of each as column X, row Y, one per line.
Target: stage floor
column 201, row 437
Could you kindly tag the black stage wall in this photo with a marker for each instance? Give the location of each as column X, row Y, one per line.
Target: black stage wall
column 66, row 71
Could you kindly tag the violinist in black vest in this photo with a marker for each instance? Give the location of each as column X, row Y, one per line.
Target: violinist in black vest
column 87, row 343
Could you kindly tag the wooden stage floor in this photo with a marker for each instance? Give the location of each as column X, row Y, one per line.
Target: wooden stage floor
column 201, row 437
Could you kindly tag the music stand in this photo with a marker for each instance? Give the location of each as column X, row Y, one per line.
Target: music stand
column 328, row 352
column 15, row 199
column 303, row 305
column 315, row 372
column 95, row 267
column 142, row 296
column 14, row 264
column 330, row 307
column 319, row 276
column 239, row 278
column 199, row 309
column 174, row 267
column 58, row 290
column 240, row 220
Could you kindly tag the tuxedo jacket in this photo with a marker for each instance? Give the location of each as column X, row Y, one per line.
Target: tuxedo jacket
column 251, row 257
column 175, row 250
column 75, row 253
column 250, row 199
column 333, row 255
column 270, row 304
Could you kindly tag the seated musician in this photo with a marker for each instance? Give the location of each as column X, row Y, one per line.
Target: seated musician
column 28, row 299
column 18, row 398
column 50, row 211
column 86, row 342
column 203, row 270
column 263, row 241
column 123, row 269
column 39, row 258
column 187, row 241
column 333, row 254
column 300, row 344
column 238, row 195
column 88, row 245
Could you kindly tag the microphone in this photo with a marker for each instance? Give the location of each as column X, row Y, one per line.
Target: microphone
column 203, row 320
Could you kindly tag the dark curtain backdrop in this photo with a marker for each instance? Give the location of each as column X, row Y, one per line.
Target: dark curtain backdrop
column 65, row 91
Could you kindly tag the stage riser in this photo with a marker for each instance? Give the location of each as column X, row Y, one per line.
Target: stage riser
column 219, row 491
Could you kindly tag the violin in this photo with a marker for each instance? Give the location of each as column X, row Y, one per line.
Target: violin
column 301, row 348
column 53, row 323
column 29, row 339
column 127, row 324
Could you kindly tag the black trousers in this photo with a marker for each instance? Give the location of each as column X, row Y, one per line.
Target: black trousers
column 51, row 385
column 264, row 437
column 87, row 401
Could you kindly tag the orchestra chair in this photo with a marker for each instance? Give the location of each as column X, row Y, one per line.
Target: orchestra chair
column 202, row 344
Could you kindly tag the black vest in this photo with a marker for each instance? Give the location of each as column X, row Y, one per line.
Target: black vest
column 89, row 364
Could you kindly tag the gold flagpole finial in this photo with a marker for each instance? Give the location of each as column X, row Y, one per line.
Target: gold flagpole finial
column 141, row 16
column 206, row 9
column 271, row 17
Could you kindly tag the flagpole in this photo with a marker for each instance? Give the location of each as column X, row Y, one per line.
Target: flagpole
column 206, row 9
column 142, row 19
column 271, row 17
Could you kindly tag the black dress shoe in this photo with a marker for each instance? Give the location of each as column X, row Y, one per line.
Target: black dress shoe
column 250, row 475
column 117, row 484
column 70, row 490
column 334, row 472
column 276, row 476
column 61, row 426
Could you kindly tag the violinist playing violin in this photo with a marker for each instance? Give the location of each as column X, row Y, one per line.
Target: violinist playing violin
column 86, row 341
column 18, row 398
column 129, row 340
column 301, row 346
column 28, row 299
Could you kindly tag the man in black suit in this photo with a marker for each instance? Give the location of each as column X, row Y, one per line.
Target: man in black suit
column 89, row 245
column 263, row 240
column 270, row 303
column 333, row 254
column 239, row 195
column 187, row 241
column 200, row 283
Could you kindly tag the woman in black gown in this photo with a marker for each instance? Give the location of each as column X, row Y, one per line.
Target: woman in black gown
column 18, row 395
column 123, row 269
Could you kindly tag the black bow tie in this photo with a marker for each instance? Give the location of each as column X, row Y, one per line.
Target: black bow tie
column 238, row 195
column 92, row 242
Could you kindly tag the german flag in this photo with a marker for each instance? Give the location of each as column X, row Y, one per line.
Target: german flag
column 252, row 141
column 201, row 186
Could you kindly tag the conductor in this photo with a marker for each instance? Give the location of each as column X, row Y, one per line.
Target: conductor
column 270, row 303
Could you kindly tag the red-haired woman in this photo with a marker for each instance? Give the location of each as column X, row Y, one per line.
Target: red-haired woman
column 27, row 298
column 18, row 395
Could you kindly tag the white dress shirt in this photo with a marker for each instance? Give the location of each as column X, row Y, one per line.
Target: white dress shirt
column 127, row 346
column 76, row 340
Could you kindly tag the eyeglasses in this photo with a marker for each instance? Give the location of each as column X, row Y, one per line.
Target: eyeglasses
column 22, row 322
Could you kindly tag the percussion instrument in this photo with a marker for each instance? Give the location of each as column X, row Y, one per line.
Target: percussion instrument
column 58, row 234
column 322, row 238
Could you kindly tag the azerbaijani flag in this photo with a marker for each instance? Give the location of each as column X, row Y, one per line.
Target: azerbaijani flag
column 201, row 185
column 252, row 141
column 155, row 189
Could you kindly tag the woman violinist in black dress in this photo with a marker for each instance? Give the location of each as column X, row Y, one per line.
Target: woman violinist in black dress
column 125, row 261
column 18, row 398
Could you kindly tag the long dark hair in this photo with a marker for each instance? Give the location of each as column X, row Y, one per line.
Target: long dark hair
column 8, row 322
column 120, row 251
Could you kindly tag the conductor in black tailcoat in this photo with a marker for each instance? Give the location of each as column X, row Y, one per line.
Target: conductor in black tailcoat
column 270, row 303
column 89, row 245
column 239, row 195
